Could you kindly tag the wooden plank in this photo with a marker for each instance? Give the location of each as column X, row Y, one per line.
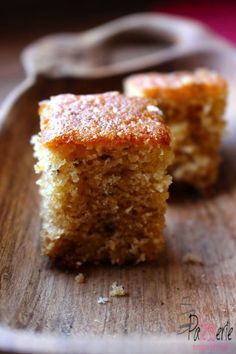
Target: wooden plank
column 38, row 297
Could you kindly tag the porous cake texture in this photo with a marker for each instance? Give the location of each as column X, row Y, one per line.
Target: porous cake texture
column 193, row 105
column 102, row 161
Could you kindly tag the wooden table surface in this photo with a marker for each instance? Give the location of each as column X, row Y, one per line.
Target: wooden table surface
column 167, row 294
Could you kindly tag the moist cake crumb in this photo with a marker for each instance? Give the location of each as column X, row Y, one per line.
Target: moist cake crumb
column 117, row 290
column 192, row 258
column 80, row 278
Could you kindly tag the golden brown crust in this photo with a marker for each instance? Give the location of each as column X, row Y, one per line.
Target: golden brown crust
column 108, row 119
column 179, row 84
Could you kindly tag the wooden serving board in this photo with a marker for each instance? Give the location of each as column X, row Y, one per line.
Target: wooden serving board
column 42, row 308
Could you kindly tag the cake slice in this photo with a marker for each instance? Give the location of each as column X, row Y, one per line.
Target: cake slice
column 103, row 161
column 193, row 104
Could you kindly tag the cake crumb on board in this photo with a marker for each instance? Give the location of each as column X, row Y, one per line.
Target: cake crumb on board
column 80, row 278
column 117, row 290
column 191, row 258
column 103, row 300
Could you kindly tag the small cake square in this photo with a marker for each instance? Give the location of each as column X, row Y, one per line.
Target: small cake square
column 193, row 105
column 102, row 161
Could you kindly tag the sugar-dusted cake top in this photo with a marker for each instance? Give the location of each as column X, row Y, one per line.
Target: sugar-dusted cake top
column 157, row 81
column 107, row 119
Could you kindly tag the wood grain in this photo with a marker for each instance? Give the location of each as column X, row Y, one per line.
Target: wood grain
column 37, row 296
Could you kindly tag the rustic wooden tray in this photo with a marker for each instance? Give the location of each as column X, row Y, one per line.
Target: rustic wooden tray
column 43, row 309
